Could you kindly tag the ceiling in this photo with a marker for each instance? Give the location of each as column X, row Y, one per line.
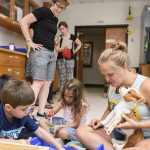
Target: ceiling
column 99, row 1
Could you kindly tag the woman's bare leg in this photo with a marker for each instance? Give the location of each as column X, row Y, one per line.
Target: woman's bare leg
column 43, row 94
column 92, row 138
column 36, row 86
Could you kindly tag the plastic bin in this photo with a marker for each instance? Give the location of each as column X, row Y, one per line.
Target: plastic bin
column 38, row 142
column 22, row 50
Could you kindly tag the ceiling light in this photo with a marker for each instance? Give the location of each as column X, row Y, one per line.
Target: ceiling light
column 129, row 17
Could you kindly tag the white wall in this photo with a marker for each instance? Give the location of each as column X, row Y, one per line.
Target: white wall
column 92, row 75
column 7, row 36
column 111, row 13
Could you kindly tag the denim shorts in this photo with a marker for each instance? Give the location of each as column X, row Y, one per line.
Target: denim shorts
column 58, row 121
column 43, row 64
column 71, row 132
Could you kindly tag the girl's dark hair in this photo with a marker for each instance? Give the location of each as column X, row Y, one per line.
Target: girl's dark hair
column 63, row 23
column 17, row 93
column 76, row 87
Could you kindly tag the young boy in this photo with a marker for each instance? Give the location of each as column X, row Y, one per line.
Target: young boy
column 16, row 98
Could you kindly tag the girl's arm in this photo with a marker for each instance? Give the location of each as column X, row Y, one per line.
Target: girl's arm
column 79, row 44
column 57, row 108
column 44, row 123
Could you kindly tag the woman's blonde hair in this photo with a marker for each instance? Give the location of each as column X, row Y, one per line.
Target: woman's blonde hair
column 117, row 53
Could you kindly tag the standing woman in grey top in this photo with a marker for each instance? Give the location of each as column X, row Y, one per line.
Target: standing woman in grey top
column 42, row 54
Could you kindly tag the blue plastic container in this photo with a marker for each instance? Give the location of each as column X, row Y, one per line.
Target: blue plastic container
column 100, row 147
column 6, row 47
column 38, row 142
column 51, row 130
column 22, row 50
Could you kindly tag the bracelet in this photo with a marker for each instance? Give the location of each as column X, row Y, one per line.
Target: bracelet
column 29, row 40
column 139, row 125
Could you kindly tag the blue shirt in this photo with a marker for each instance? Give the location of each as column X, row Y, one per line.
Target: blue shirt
column 11, row 130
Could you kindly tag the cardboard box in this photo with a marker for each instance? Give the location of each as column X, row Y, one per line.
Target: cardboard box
column 16, row 146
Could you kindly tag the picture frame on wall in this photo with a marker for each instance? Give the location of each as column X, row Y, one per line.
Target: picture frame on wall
column 87, row 54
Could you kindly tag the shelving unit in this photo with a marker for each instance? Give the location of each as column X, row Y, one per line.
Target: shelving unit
column 10, row 24
column 8, row 14
column 4, row 9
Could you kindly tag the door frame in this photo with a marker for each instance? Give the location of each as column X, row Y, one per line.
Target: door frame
column 79, row 61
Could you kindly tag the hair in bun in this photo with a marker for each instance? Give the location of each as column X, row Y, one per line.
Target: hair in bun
column 118, row 45
column 117, row 53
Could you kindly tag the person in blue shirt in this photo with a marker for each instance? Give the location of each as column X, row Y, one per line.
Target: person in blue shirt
column 16, row 98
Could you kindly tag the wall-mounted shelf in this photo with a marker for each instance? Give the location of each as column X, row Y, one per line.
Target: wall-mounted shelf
column 10, row 24
column 8, row 13
column 4, row 9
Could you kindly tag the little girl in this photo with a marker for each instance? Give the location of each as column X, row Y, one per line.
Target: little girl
column 75, row 110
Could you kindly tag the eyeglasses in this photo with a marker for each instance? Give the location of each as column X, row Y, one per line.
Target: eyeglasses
column 60, row 6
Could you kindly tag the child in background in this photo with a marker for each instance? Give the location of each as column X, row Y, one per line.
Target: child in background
column 16, row 98
column 74, row 106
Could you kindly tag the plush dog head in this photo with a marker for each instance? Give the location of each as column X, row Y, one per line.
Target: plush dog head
column 130, row 94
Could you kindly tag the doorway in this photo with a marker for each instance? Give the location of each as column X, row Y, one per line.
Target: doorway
column 100, row 37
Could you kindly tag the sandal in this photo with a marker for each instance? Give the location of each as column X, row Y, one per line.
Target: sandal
column 48, row 106
column 40, row 115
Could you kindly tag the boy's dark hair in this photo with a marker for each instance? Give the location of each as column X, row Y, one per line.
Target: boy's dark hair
column 17, row 93
column 3, row 79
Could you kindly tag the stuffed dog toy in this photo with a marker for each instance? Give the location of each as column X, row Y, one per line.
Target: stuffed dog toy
column 132, row 136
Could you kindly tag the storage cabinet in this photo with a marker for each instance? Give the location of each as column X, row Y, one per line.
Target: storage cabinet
column 56, row 81
column 5, row 7
column 12, row 63
column 145, row 70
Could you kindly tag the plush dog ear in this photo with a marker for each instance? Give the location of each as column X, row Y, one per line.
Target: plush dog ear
column 133, row 95
column 136, row 96
column 141, row 99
